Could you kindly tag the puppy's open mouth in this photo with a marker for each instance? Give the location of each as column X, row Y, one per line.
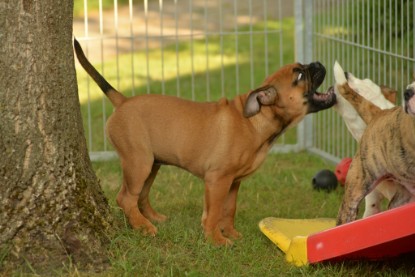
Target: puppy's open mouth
column 320, row 101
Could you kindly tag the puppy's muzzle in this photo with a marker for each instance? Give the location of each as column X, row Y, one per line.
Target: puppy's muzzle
column 408, row 94
column 318, row 101
column 317, row 73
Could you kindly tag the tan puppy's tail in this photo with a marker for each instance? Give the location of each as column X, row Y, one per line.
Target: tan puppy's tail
column 114, row 96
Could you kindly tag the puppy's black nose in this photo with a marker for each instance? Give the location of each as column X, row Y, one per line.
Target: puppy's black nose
column 318, row 65
column 408, row 93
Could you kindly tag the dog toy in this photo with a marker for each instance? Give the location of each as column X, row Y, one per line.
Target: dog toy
column 325, row 180
column 341, row 170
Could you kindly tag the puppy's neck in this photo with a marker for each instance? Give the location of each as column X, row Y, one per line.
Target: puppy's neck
column 268, row 124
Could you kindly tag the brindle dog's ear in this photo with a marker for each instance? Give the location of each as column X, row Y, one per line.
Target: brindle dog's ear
column 261, row 96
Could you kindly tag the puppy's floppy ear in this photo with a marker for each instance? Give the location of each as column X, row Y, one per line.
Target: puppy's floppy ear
column 261, row 96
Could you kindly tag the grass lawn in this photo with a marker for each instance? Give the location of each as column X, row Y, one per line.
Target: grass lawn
column 280, row 188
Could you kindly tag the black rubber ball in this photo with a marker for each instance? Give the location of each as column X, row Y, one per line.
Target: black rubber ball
column 325, row 180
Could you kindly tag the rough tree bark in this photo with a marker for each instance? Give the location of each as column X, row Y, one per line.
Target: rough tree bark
column 51, row 204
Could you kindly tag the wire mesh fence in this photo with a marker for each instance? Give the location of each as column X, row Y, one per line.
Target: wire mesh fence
column 204, row 50
column 196, row 49
column 369, row 38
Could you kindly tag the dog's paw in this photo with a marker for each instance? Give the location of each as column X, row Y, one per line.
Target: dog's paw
column 231, row 233
column 216, row 238
column 221, row 241
column 148, row 230
column 159, row 218
column 143, row 225
column 155, row 217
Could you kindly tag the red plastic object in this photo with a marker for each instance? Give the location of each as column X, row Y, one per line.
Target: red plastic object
column 341, row 170
column 383, row 235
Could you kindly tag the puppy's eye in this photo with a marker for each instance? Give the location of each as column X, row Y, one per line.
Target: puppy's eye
column 300, row 76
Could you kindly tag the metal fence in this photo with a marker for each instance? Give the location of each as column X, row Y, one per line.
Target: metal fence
column 370, row 38
column 204, row 50
column 196, row 49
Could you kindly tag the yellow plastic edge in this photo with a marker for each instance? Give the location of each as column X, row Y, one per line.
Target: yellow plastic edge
column 297, row 252
column 277, row 237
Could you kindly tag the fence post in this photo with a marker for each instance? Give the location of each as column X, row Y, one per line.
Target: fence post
column 303, row 12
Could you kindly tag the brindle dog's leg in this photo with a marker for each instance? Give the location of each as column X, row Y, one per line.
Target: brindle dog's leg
column 358, row 185
column 401, row 197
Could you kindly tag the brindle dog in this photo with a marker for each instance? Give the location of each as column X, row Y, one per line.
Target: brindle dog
column 386, row 152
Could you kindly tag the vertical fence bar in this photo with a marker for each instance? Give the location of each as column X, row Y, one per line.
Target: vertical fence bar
column 90, row 142
column 132, row 47
column 251, row 45
column 177, row 49
column 235, row 14
column 221, row 34
column 207, row 50
column 300, row 56
column 192, row 49
column 104, row 110
column 280, row 33
column 117, row 47
column 266, row 37
column 163, row 85
column 146, row 46
column 308, row 138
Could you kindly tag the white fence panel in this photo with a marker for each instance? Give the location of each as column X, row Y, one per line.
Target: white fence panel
column 204, row 50
column 369, row 38
column 197, row 49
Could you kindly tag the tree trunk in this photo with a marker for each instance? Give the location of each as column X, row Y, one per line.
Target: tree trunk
column 51, row 204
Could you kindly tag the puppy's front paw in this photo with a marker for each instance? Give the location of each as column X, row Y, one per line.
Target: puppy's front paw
column 231, row 233
column 217, row 239
column 147, row 229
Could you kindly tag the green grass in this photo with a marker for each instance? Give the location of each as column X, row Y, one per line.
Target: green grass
column 280, row 188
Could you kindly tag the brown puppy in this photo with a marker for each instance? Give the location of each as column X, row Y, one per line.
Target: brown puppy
column 220, row 142
column 386, row 152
